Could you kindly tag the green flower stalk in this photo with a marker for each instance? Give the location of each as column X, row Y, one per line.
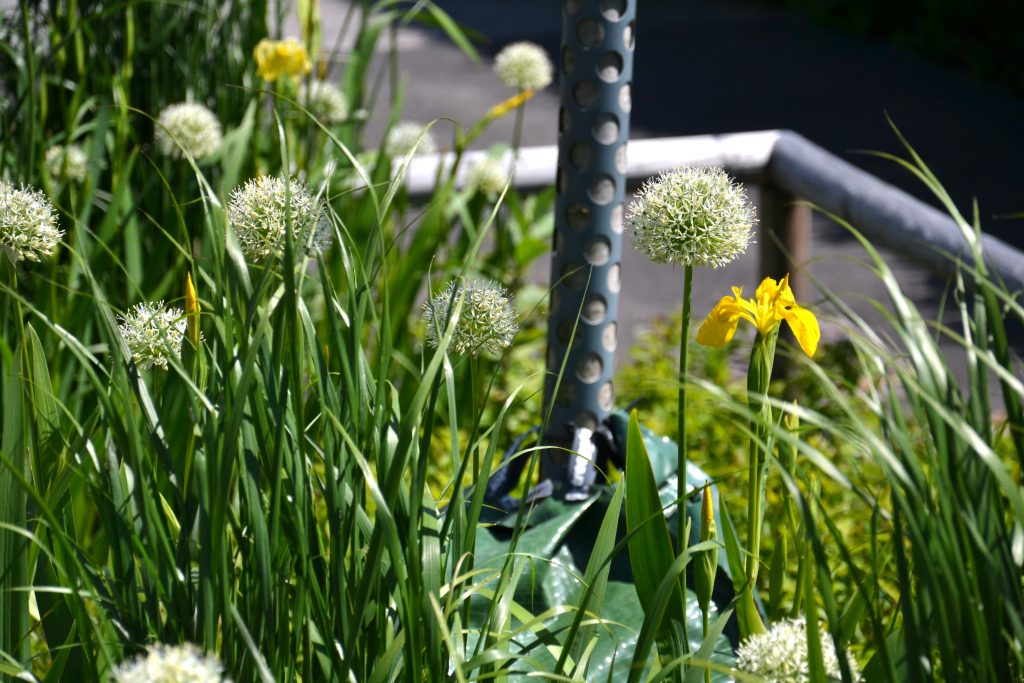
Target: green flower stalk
column 706, row 566
column 526, row 67
column 773, row 304
column 692, row 217
column 171, row 664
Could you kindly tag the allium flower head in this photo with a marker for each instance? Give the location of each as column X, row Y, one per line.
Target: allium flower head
column 487, row 320
column 263, row 208
column 188, row 127
column 70, row 162
column 276, row 58
column 524, row 65
column 780, row 655
column 28, row 224
column 324, row 101
column 487, row 176
column 171, row 664
column 404, row 136
column 153, row 333
column 691, row 216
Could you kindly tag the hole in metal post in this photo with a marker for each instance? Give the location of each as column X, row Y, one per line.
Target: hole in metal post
column 588, row 368
column 610, row 337
column 606, row 129
column 609, row 67
column 564, row 120
column 595, row 310
column 601, row 189
column 620, row 158
column 580, row 155
column 613, row 9
column 568, row 60
column 590, row 33
column 626, row 97
column 585, row 94
column 577, row 216
column 614, row 278
column 586, row 420
column 598, row 251
column 606, row 396
column 617, row 218
column 628, row 35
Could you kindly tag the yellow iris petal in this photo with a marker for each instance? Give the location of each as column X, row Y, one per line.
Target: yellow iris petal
column 805, row 328
column 720, row 325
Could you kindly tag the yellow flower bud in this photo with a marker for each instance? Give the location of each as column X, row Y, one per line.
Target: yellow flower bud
column 192, row 310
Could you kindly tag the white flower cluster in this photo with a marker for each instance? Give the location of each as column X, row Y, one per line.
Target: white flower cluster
column 189, row 128
column 524, row 65
column 405, row 135
column 153, row 333
column 324, row 101
column 487, row 176
column 691, row 216
column 28, row 223
column 261, row 210
column 70, row 162
column 780, row 655
column 487, row 320
column 171, row 664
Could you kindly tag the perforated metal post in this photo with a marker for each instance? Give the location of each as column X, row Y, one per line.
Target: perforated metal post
column 596, row 65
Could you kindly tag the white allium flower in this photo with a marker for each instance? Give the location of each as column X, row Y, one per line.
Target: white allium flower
column 691, row 216
column 324, row 101
column 153, row 333
column 487, row 320
column 488, row 176
column 190, row 127
column 261, row 210
column 404, row 136
column 70, row 161
column 780, row 655
column 524, row 65
column 171, row 664
column 28, row 223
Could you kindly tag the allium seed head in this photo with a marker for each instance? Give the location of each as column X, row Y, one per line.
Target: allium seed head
column 70, row 162
column 487, row 176
column 404, row 136
column 171, row 664
column 153, row 333
column 487, row 320
column 780, row 655
column 524, row 65
column 691, row 216
column 28, row 224
column 263, row 208
column 324, row 101
column 188, row 127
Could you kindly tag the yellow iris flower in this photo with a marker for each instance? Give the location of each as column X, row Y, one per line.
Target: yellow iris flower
column 276, row 58
column 772, row 304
